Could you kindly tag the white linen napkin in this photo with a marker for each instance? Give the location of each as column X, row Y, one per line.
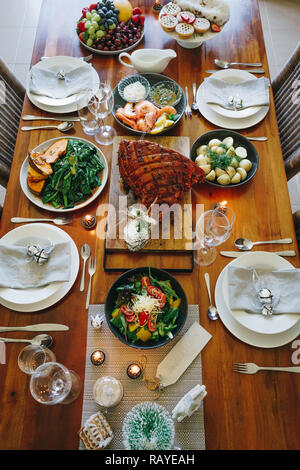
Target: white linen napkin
column 182, row 355
column 253, row 92
column 283, row 284
column 19, row 271
column 45, row 82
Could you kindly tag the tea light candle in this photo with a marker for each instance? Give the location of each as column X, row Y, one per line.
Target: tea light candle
column 97, row 357
column 134, row 371
column 89, row 222
column 222, row 206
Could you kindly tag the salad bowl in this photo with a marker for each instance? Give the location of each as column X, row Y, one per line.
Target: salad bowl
column 147, row 334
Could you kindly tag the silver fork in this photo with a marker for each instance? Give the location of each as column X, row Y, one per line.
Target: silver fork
column 250, row 368
column 188, row 111
column 92, row 266
column 57, row 221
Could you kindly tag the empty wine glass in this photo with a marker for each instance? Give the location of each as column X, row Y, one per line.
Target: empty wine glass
column 101, row 105
column 213, row 228
column 53, row 383
column 32, row 356
column 89, row 122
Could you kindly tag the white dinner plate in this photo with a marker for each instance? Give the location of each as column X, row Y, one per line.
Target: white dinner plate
column 65, row 105
column 244, row 334
column 259, row 323
column 37, row 200
column 228, row 122
column 235, row 77
column 43, row 296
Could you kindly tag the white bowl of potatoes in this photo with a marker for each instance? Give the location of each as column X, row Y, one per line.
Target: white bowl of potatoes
column 227, row 158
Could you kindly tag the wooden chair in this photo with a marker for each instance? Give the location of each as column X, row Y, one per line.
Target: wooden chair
column 12, row 95
column 286, row 89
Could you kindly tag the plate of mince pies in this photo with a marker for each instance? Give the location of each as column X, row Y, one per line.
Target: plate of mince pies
column 188, row 27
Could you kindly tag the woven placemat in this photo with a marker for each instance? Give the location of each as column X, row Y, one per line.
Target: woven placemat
column 189, row 434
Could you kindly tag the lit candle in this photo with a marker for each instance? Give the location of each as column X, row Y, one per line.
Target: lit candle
column 221, row 206
column 89, row 222
column 134, row 371
column 97, row 357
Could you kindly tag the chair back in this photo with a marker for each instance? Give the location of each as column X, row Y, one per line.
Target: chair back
column 286, row 88
column 12, row 95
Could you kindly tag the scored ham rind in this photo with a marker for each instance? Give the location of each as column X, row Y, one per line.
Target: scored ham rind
column 156, row 172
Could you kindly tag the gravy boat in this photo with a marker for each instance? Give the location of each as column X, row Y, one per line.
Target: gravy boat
column 148, row 60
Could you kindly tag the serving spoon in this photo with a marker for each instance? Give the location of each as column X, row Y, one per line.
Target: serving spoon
column 244, row 244
column 225, row 65
column 62, row 127
column 40, row 340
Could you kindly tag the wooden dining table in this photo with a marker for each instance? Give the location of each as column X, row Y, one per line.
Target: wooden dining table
column 240, row 411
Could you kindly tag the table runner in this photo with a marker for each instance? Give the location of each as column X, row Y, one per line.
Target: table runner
column 190, row 433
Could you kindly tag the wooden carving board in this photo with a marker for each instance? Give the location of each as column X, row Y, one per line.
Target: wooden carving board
column 180, row 235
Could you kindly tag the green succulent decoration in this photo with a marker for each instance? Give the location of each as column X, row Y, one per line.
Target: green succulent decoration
column 148, row 426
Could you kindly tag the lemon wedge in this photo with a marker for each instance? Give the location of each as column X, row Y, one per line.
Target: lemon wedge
column 157, row 129
column 161, row 120
column 169, row 122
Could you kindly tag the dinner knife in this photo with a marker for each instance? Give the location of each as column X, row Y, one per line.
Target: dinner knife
column 31, row 117
column 236, row 254
column 245, row 70
column 86, row 58
column 37, row 327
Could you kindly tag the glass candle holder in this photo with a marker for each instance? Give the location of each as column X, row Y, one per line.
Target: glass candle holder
column 97, row 357
column 134, row 371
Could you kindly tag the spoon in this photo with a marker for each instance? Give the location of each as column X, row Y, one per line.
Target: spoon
column 225, row 65
column 212, row 312
column 40, row 340
column 85, row 254
column 194, row 105
column 62, row 127
column 244, row 244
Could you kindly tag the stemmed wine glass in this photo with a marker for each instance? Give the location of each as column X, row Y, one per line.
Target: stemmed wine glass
column 213, row 228
column 101, row 105
column 53, row 383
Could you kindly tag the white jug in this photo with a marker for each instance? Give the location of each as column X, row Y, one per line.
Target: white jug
column 148, row 60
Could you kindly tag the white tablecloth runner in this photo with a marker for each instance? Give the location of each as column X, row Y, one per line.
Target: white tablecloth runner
column 190, row 434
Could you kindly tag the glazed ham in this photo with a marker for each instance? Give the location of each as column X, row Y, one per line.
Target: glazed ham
column 156, row 173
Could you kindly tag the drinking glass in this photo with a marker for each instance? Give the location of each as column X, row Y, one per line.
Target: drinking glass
column 53, row 383
column 213, row 228
column 32, row 356
column 101, row 105
column 89, row 122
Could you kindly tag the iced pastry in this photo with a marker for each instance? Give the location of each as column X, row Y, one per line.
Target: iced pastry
column 96, row 433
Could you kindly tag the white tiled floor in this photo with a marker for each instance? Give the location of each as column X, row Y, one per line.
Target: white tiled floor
column 280, row 19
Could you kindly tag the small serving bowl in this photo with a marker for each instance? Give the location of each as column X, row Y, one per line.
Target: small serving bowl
column 161, row 275
column 129, row 81
column 239, row 141
column 171, row 86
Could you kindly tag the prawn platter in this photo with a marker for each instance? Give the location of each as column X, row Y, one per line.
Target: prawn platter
column 180, row 234
column 144, row 117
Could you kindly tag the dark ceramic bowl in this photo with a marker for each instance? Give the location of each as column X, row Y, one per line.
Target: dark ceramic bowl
column 161, row 276
column 239, row 141
column 153, row 79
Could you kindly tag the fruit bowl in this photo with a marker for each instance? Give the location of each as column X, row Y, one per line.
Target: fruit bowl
column 110, row 27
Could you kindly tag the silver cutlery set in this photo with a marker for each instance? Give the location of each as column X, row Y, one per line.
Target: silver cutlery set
column 85, row 253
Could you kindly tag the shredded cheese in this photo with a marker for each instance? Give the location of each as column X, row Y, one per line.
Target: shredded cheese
column 145, row 303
